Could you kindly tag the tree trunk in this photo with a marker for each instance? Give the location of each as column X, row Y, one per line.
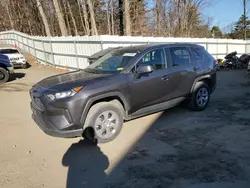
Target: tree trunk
column 108, row 16
column 67, row 18
column 85, row 14
column 127, row 17
column 92, row 18
column 80, row 12
column 9, row 15
column 73, row 19
column 44, row 18
column 112, row 18
column 157, row 16
column 60, row 18
column 120, row 4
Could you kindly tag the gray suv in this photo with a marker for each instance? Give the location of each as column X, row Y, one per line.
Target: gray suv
column 124, row 84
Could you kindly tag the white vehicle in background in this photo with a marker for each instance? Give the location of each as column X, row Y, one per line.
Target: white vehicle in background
column 16, row 58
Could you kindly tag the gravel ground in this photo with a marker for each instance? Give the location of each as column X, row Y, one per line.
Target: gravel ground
column 177, row 149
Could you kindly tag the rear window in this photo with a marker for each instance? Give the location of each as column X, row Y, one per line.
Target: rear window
column 8, row 51
column 198, row 54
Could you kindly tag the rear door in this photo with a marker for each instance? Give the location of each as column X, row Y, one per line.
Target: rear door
column 183, row 70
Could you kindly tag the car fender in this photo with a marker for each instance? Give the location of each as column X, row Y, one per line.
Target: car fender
column 197, row 80
column 93, row 99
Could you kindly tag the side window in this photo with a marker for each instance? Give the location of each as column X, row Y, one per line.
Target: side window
column 155, row 58
column 197, row 53
column 179, row 55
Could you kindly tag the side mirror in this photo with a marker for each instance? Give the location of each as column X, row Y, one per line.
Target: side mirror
column 144, row 69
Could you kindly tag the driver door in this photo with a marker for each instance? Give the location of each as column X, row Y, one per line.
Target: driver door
column 151, row 88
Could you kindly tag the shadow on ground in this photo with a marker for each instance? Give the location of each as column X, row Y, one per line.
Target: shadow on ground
column 181, row 149
column 86, row 165
column 16, row 75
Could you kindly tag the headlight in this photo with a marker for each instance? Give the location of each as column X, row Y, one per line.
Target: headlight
column 64, row 94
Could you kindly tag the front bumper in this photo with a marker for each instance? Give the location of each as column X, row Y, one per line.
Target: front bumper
column 54, row 121
column 19, row 64
column 10, row 69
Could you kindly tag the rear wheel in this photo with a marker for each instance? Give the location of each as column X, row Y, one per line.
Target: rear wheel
column 4, row 75
column 104, row 121
column 200, row 97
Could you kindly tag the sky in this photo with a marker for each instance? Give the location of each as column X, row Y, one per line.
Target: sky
column 225, row 12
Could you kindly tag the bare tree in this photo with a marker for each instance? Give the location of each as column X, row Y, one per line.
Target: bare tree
column 127, row 17
column 108, row 16
column 81, row 17
column 44, row 18
column 92, row 18
column 85, row 14
column 112, row 18
column 72, row 18
column 60, row 18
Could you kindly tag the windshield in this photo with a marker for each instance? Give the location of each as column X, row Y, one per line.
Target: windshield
column 8, row 51
column 112, row 62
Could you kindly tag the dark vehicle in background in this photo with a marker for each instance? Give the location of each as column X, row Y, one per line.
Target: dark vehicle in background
column 124, row 84
column 6, row 68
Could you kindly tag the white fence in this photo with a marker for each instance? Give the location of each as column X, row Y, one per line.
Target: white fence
column 72, row 52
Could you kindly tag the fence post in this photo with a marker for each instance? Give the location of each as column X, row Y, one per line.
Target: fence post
column 34, row 48
column 52, row 53
column 207, row 46
column 101, row 44
column 227, row 48
column 44, row 53
column 245, row 46
column 76, row 53
column 217, row 48
column 28, row 40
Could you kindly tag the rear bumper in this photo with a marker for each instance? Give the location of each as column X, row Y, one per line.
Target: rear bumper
column 44, row 123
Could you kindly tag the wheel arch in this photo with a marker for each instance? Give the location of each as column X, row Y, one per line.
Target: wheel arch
column 104, row 98
column 205, row 78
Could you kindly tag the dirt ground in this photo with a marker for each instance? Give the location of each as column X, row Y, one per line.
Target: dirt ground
column 176, row 149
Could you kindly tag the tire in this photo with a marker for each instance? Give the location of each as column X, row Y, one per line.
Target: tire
column 4, row 75
column 24, row 66
column 194, row 103
column 98, row 127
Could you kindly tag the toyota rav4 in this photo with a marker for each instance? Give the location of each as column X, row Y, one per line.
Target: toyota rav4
column 124, row 84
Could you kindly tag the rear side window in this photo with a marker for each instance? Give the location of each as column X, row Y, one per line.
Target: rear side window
column 179, row 55
column 197, row 53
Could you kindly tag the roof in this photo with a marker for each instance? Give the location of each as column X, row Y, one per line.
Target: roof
column 140, row 48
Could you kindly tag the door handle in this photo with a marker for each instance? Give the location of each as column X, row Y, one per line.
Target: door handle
column 165, row 78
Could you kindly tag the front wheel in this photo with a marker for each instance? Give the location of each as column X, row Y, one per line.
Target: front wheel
column 24, row 66
column 4, row 75
column 104, row 122
column 200, row 97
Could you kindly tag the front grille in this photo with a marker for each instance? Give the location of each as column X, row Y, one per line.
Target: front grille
column 14, row 59
column 39, row 104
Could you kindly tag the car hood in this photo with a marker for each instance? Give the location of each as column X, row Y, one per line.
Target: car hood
column 69, row 80
column 14, row 55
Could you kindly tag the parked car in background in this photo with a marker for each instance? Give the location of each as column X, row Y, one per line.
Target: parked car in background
column 6, row 68
column 124, row 84
column 16, row 58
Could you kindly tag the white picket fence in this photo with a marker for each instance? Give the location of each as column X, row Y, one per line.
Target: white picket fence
column 72, row 52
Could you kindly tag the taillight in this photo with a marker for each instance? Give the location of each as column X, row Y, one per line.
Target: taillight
column 216, row 62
